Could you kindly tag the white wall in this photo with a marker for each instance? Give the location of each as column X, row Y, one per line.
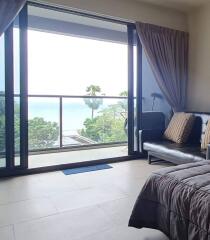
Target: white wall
column 199, row 59
column 128, row 9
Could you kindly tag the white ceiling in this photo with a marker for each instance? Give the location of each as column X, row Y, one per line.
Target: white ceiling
column 183, row 5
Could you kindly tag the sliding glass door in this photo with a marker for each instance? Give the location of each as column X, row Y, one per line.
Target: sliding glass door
column 78, row 87
column 134, row 90
column 13, row 96
column 72, row 92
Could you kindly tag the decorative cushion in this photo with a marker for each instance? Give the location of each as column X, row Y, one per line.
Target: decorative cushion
column 180, row 127
column 206, row 138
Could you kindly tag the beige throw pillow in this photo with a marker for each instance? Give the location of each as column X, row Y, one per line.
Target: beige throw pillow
column 180, row 127
column 206, row 138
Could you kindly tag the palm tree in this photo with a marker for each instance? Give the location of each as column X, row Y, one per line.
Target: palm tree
column 93, row 103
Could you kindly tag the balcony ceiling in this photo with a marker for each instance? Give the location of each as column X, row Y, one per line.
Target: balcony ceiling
column 72, row 18
column 183, row 5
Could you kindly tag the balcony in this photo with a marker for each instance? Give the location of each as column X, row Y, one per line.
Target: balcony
column 69, row 129
column 66, row 157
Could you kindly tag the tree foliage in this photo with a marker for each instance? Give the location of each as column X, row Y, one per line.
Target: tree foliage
column 42, row 134
column 107, row 127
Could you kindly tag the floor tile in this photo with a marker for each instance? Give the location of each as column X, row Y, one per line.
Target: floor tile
column 117, row 174
column 69, row 225
column 119, row 210
column 137, row 169
column 40, row 185
column 18, row 188
column 130, row 185
column 7, row 233
column 86, row 197
column 126, row 233
column 56, row 184
column 87, row 180
column 25, row 210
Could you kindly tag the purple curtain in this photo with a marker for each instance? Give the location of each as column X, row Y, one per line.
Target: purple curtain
column 167, row 53
column 9, row 9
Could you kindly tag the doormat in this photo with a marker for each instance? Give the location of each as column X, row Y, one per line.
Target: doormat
column 86, row 169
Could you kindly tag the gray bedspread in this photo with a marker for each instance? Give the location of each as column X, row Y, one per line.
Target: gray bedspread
column 176, row 201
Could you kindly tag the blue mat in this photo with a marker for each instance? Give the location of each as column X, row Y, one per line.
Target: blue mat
column 86, row 169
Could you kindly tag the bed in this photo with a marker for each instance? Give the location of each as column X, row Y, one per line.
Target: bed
column 176, row 201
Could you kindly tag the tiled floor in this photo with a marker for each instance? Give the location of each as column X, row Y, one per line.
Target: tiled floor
column 90, row 206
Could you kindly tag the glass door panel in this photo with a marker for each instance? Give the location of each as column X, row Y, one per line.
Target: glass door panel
column 13, row 79
column 82, row 63
column 16, row 62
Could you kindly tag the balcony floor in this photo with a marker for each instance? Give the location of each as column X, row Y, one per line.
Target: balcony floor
column 50, row 159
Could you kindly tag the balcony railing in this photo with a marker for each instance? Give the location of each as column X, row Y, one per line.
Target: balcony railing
column 62, row 121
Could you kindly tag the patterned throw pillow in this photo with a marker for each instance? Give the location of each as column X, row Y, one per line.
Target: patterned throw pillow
column 180, row 127
column 206, row 138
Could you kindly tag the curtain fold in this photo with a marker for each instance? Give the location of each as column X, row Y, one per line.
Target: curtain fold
column 9, row 9
column 167, row 52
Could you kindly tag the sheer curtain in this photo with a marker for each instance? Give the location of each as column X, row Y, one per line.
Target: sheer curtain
column 167, row 53
column 8, row 11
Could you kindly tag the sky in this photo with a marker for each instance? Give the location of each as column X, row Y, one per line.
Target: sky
column 65, row 65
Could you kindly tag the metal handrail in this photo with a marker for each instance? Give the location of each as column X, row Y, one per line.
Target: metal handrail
column 67, row 96
column 75, row 96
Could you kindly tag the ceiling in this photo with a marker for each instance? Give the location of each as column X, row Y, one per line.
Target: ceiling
column 183, row 5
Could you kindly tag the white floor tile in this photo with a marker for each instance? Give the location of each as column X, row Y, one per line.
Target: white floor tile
column 126, row 233
column 7, row 233
column 41, row 185
column 119, row 210
column 86, row 197
column 25, row 210
column 69, row 225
